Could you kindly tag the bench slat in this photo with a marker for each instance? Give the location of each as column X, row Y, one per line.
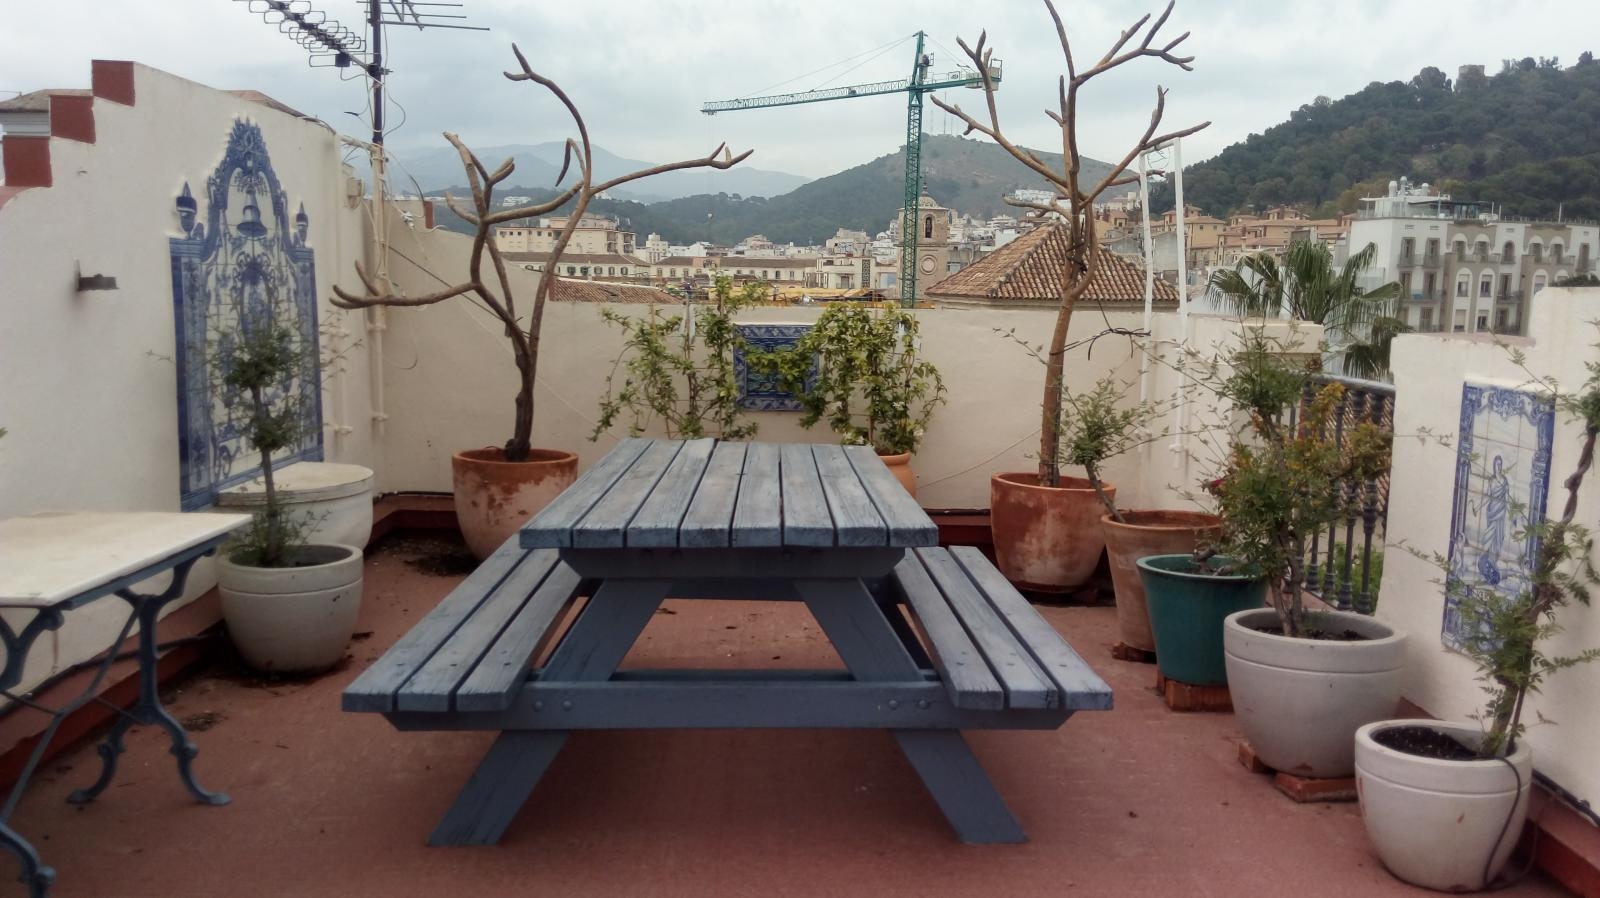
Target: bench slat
column 709, row 520
column 1081, row 688
column 907, row 523
column 605, row 524
column 433, row 683
column 552, row 527
column 499, row 674
column 856, row 519
column 758, row 517
column 1026, row 685
column 656, row 524
column 966, row 674
column 806, row 521
column 374, row 689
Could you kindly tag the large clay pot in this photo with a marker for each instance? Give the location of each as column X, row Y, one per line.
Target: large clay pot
column 1300, row 701
column 900, row 466
column 1046, row 539
column 1441, row 824
column 1137, row 535
column 1187, row 608
column 293, row 619
column 495, row 497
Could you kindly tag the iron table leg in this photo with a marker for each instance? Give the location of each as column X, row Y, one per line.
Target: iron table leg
column 148, row 711
column 35, row 875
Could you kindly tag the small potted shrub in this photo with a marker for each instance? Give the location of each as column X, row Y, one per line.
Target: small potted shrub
column 1302, row 680
column 1444, row 803
column 1097, row 426
column 859, row 367
column 290, row 606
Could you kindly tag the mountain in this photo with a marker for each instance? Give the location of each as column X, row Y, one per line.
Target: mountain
column 538, row 164
column 970, row 176
column 1523, row 137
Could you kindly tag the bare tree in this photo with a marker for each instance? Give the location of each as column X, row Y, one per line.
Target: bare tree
column 1073, row 200
column 496, row 295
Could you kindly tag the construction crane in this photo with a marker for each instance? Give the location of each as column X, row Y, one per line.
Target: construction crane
column 921, row 82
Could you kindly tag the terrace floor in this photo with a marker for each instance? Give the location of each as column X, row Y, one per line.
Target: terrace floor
column 1138, row 800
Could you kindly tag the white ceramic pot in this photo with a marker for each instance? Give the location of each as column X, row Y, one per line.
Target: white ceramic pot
column 293, row 619
column 336, row 499
column 1446, row 825
column 1299, row 701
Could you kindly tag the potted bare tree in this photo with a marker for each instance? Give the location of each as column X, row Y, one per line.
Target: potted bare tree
column 498, row 488
column 1037, row 515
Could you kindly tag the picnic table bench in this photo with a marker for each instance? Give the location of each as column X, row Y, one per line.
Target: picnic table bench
column 933, row 640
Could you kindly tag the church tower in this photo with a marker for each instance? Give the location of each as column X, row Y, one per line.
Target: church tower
column 933, row 242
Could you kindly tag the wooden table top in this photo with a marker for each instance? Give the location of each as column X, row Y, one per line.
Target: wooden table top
column 49, row 558
column 710, row 494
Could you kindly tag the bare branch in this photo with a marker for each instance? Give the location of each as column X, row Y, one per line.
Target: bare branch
column 378, row 297
column 711, row 160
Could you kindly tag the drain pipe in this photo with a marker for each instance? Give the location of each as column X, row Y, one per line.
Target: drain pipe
column 376, row 318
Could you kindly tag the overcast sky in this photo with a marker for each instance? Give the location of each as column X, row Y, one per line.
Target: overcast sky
column 640, row 70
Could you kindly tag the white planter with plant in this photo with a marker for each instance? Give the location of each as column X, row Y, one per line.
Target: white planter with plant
column 290, row 606
column 1444, row 803
column 860, row 368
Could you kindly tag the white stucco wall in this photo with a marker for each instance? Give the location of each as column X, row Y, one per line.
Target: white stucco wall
column 88, row 388
column 1429, row 373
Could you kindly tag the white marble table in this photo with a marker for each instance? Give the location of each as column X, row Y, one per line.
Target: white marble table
column 51, row 563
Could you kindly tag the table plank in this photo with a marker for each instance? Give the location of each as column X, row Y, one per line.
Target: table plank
column 552, row 527
column 758, row 516
column 907, row 523
column 605, row 526
column 657, row 522
column 856, row 519
column 49, row 558
column 806, row 521
column 709, row 521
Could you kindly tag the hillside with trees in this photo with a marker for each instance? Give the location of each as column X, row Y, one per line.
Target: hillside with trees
column 970, row 176
column 1523, row 137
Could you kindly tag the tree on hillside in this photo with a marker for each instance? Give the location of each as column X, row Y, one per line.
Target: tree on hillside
column 1358, row 324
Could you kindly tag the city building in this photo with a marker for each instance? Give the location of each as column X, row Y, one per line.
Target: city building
column 1027, row 272
column 1463, row 267
column 594, row 235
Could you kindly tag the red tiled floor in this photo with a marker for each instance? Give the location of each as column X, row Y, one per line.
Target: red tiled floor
column 1137, row 801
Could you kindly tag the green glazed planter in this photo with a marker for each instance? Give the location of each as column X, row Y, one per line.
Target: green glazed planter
column 1186, row 613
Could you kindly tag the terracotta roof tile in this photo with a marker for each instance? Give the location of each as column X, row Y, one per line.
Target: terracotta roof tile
column 1030, row 268
column 601, row 291
column 38, row 100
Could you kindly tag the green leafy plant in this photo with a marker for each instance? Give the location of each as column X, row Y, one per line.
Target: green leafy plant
column 678, row 369
column 1281, row 482
column 1100, row 424
column 859, row 367
column 258, row 368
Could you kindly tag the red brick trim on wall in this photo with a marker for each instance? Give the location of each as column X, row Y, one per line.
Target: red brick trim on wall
column 26, row 161
column 72, row 117
column 112, row 80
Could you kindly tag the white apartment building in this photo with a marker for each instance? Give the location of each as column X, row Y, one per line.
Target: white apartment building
column 595, row 235
column 655, row 248
column 1461, row 267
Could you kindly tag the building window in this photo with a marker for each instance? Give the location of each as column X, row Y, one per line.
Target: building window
column 572, row 269
column 927, row 227
column 585, row 271
column 1500, row 320
column 1427, row 318
column 1405, row 284
column 1486, row 286
column 1483, row 321
column 672, row 272
column 1555, row 253
column 1538, row 284
column 1505, row 286
column 1537, row 251
column 1428, row 285
column 1408, row 248
column 1461, row 248
column 1461, row 287
column 1508, row 253
column 624, row 271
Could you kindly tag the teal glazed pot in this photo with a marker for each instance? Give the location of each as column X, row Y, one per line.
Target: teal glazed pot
column 1187, row 608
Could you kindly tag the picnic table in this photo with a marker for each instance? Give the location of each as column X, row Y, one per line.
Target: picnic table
column 821, row 524
column 53, row 563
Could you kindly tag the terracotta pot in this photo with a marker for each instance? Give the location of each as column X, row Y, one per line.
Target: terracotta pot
column 900, row 467
column 1140, row 534
column 1046, row 539
column 495, row 497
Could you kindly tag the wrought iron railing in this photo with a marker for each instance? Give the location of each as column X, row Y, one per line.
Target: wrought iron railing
column 1344, row 562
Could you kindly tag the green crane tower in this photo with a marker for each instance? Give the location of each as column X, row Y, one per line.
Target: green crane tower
column 921, row 82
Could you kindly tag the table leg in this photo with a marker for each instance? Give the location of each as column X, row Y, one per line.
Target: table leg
column 872, row 649
column 148, row 710
column 592, row 649
column 35, row 874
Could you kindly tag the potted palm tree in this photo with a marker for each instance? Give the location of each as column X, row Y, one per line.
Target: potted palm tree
column 497, row 488
column 1037, row 514
column 1359, row 324
column 290, row 606
column 1444, row 802
column 860, row 367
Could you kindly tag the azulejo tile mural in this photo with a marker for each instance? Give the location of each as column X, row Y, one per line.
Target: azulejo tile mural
column 1502, row 479
column 760, row 392
column 243, row 261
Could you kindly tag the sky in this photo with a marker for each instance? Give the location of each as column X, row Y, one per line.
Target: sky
column 640, row 70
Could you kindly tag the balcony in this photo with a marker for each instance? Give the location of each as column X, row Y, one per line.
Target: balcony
column 1407, row 260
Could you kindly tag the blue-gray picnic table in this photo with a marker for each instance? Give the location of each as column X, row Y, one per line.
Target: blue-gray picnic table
column 933, row 640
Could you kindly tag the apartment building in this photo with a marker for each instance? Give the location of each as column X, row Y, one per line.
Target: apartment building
column 595, row 235
column 1462, row 267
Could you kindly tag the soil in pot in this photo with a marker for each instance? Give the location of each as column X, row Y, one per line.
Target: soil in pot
column 1138, row 535
column 495, row 497
column 1046, row 539
column 1424, row 742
